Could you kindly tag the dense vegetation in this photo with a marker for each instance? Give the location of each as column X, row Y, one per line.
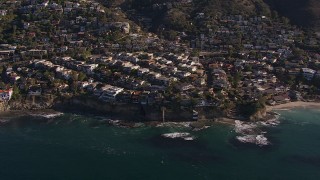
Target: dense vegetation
column 192, row 16
column 177, row 16
column 304, row 13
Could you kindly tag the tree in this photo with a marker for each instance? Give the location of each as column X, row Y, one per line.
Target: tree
column 170, row 35
column 48, row 75
column 85, row 54
column 3, row 71
column 193, row 102
column 82, row 76
column 298, row 52
column 195, row 53
column 261, row 103
column 2, row 85
column 285, row 20
column 274, row 15
column 134, row 72
column 74, row 87
column 236, row 79
column 16, row 93
column 248, row 68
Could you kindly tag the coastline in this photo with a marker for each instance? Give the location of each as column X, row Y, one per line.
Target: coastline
column 292, row 105
column 17, row 113
column 269, row 111
column 247, row 131
column 223, row 120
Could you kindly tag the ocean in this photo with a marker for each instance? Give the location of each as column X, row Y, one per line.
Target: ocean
column 85, row 147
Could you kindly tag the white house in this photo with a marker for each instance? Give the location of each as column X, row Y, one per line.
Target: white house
column 3, row 12
column 143, row 71
column 110, row 92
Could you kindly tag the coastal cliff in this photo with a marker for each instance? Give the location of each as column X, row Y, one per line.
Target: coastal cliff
column 125, row 111
column 32, row 103
column 132, row 111
column 259, row 115
column 4, row 106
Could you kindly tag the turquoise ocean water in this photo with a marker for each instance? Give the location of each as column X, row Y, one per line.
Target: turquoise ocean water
column 84, row 147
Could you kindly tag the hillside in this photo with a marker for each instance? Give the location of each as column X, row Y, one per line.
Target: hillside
column 183, row 15
column 168, row 17
column 305, row 13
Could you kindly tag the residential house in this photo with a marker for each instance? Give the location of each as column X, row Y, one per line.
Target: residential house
column 34, row 91
column 3, row 12
column 281, row 99
column 182, row 74
column 5, row 95
column 308, row 73
column 37, row 53
column 109, row 93
column 143, row 71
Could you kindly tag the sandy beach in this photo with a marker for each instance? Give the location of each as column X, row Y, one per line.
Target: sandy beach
column 297, row 104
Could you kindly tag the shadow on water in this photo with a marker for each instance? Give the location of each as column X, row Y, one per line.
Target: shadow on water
column 285, row 121
column 197, row 157
column 98, row 123
column 23, row 121
column 67, row 119
column 298, row 159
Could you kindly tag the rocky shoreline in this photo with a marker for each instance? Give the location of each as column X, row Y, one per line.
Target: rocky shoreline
column 139, row 113
column 250, row 132
column 247, row 131
column 125, row 111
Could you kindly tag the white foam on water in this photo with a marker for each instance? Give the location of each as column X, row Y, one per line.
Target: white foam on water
column 199, row 129
column 272, row 122
column 260, row 139
column 182, row 135
column 244, row 128
column 249, row 131
column 48, row 115
column 174, row 124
